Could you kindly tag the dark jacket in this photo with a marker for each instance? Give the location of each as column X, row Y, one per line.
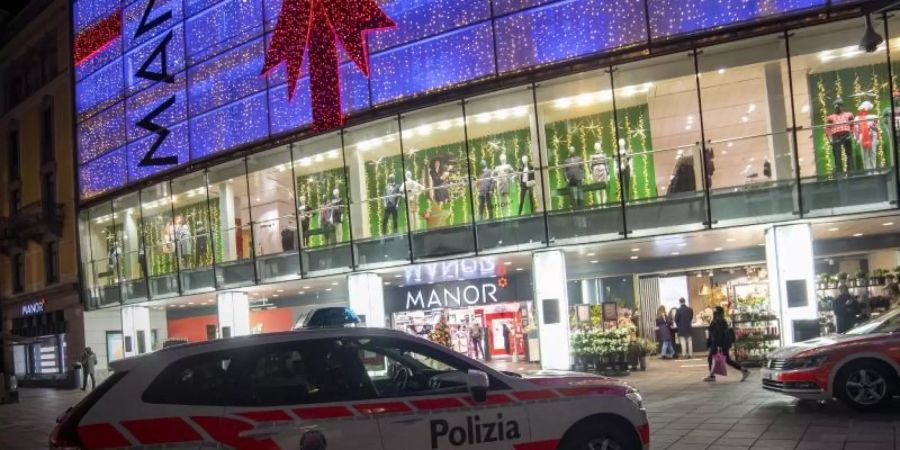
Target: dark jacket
column 684, row 317
column 663, row 328
column 720, row 334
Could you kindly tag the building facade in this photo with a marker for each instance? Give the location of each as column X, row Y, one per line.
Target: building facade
column 42, row 317
column 496, row 159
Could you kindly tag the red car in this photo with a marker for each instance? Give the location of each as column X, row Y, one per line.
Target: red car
column 860, row 367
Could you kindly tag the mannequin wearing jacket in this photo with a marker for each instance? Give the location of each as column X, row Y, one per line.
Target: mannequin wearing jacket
column 485, row 186
column 526, row 184
column 600, row 172
column 838, row 129
column 574, row 177
column 867, row 135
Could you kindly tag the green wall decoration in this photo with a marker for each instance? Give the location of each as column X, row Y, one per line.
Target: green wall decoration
column 853, row 86
column 317, row 188
column 583, row 132
column 377, row 173
column 162, row 262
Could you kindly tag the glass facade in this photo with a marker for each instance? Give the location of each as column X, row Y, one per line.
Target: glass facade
column 771, row 128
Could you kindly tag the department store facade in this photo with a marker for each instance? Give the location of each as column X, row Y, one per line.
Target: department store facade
column 452, row 187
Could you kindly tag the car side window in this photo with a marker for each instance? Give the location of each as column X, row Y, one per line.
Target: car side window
column 302, row 372
column 193, row 380
column 402, row 368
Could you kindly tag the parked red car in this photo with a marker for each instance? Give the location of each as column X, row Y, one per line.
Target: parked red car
column 860, row 367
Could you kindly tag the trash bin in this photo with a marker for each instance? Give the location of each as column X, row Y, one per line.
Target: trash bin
column 78, row 376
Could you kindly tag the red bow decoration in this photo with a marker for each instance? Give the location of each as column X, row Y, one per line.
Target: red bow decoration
column 317, row 25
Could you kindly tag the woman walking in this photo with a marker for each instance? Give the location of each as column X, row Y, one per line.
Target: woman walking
column 721, row 338
column 664, row 333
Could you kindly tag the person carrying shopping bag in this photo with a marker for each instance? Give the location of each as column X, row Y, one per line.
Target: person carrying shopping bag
column 664, row 333
column 720, row 340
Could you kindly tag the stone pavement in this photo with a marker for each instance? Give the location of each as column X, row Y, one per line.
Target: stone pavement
column 685, row 413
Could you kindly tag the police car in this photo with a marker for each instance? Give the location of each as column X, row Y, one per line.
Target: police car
column 344, row 388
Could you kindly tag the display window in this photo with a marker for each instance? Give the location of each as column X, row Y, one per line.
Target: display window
column 228, row 186
column 272, row 198
column 506, row 166
column 158, row 234
column 843, row 99
column 103, row 266
column 130, row 247
column 436, row 180
column 378, row 195
column 194, row 237
column 42, row 357
column 322, row 203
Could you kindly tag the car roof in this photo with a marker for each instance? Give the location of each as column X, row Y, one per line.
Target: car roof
column 177, row 351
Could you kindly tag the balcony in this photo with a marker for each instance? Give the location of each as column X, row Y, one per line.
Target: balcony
column 8, row 241
column 37, row 221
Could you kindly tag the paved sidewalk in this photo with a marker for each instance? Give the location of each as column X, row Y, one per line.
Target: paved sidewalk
column 685, row 413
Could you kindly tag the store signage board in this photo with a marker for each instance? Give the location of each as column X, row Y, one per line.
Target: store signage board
column 454, row 294
column 448, row 271
column 34, row 308
column 162, row 83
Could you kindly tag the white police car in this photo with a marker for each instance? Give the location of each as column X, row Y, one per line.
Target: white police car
column 344, row 388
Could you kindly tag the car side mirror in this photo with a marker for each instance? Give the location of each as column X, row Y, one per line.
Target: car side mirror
column 478, row 384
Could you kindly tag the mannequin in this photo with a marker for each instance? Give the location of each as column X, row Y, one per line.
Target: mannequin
column 304, row 214
column 485, row 186
column 337, row 216
column 526, row 184
column 838, row 128
column 504, row 173
column 867, row 135
column 682, row 179
column 574, row 177
column 289, row 237
column 624, row 169
column 183, row 239
column 411, row 189
column 391, row 204
column 201, row 239
column 895, row 112
column 439, row 175
column 600, row 172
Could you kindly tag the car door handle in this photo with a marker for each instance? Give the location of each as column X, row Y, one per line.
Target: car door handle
column 409, row 421
column 269, row 431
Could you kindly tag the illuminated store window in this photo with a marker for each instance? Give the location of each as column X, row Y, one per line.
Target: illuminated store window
column 322, row 204
column 104, row 257
column 659, row 163
column 506, row 170
column 84, row 242
column 159, row 240
column 841, row 93
column 436, row 181
column 274, row 220
column 131, row 259
column 375, row 171
column 577, row 132
column 744, row 87
column 194, row 240
column 227, row 185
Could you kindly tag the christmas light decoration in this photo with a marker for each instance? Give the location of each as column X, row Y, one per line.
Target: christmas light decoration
column 97, row 37
column 317, row 25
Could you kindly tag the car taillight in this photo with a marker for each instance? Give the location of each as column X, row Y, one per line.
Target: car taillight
column 65, row 435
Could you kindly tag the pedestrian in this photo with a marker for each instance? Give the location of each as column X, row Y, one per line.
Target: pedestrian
column 664, row 333
column 684, row 325
column 507, row 339
column 720, row 340
column 475, row 335
column 88, row 362
column 844, row 310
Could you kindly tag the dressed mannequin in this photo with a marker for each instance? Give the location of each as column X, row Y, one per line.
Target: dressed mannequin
column 600, row 172
column 183, row 239
column 503, row 174
column 895, row 112
column 304, row 214
column 485, row 191
column 411, row 189
column 439, row 175
column 201, row 238
column 838, row 129
column 867, row 135
column 526, row 184
column 337, row 216
column 574, row 177
column 168, row 239
column 391, row 204
column 624, row 168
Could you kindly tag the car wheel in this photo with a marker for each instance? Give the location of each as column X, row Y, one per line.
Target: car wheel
column 599, row 435
column 865, row 385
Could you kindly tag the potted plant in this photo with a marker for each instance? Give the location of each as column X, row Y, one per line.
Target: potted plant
column 833, row 282
column 861, row 278
column 842, row 279
column 648, row 348
column 822, row 281
column 877, row 278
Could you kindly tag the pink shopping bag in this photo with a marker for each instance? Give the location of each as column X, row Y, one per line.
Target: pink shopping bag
column 719, row 364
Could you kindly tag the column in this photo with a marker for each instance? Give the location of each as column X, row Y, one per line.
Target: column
column 228, row 234
column 356, row 172
column 552, row 305
column 136, row 330
column 366, row 293
column 234, row 314
column 789, row 259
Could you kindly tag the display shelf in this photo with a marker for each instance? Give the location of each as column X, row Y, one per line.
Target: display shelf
column 757, row 329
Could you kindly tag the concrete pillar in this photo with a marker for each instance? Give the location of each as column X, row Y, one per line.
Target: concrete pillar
column 358, row 194
column 552, row 304
column 226, row 218
column 366, row 294
column 789, row 259
column 234, row 314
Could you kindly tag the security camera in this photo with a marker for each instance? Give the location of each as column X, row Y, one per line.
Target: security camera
column 871, row 39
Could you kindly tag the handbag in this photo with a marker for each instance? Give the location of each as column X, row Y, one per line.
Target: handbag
column 719, row 364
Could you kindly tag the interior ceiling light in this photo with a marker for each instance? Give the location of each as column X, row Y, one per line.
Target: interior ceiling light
column 871, row 39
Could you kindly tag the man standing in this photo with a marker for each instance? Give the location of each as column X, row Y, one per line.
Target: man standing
column 475, row 335
column 684, row 319
column 88, row 362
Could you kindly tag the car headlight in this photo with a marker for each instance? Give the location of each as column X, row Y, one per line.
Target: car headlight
column 805, row 363
column 635, row 397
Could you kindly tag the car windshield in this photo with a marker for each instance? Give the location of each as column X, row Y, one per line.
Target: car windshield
column 887, row 323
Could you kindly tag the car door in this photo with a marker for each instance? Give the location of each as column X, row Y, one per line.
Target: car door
column 424, row 401
column 301, row 395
